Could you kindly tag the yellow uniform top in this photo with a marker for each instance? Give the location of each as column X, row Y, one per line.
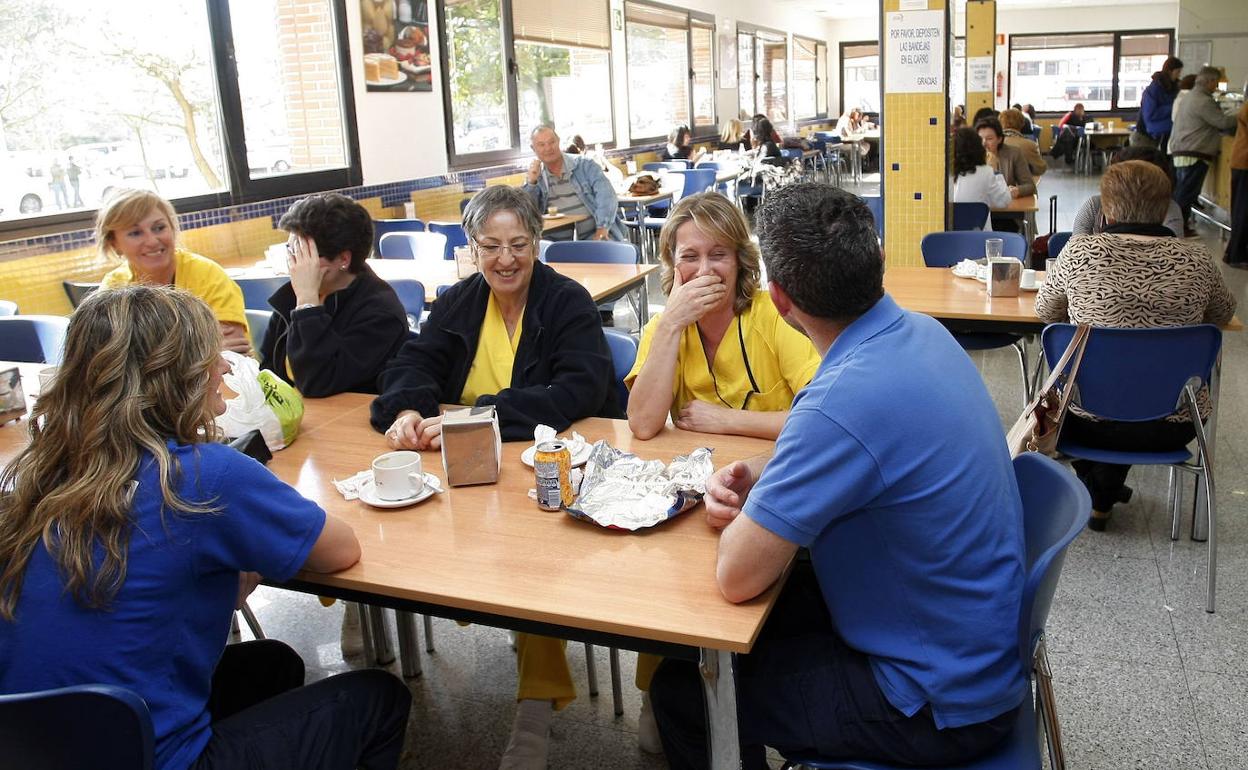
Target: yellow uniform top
column 757, row 342
column 496, row 352
column 199, row 276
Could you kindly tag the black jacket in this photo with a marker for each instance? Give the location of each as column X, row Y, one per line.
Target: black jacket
column 562, row 371
column 339, row 346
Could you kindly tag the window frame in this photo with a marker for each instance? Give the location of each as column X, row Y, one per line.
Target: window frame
column 1115, row 82
column 519, row 144
column 707, row 21
column 819, row 82
column 752, row 30
column 690, row 16
column 841, row 63
column 242, row 189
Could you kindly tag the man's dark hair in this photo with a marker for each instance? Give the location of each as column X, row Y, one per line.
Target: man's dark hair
column 336, row 223
column 968, row 151
column 819, row 245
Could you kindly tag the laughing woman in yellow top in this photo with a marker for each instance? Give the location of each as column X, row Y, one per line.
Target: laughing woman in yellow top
column 141, row 227
column 719, row 358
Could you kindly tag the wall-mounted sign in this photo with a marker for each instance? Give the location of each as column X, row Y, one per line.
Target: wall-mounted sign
column 978, row 74
column 396, row 45
column 914, row 52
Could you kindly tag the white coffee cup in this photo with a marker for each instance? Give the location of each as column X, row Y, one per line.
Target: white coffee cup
column 398, row 475
column 1028, row 281
column 46, row 375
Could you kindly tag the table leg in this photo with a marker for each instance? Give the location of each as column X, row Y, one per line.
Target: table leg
column 720, row 688
column 643, row 305
column 1200, row 526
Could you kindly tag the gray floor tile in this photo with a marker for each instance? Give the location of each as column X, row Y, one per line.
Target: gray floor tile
column 1216, row 643
column 1222, row 715
column 1096, row 580
column 1118, row 631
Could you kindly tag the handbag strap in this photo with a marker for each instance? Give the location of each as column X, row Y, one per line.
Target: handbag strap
column 1078, row 344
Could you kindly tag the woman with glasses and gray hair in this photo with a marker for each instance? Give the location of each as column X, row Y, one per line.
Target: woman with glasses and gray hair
column 527, row 340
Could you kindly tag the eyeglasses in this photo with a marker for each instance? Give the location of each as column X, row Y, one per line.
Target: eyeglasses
column 517, row 249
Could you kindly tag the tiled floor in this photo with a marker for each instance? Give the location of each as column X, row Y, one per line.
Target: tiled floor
column 1144, row 677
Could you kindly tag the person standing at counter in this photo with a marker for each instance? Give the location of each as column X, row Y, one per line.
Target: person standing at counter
column 1237, row 248
column 335, row 324
column 141, row 227
column 574, row 185
column 1156, row 105
column 1198, row 127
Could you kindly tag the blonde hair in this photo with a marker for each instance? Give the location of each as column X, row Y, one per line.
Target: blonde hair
column 1012, row 120
column 733, row 130
column 137, row 365
column 1135, row 192
column 126, row 208
column 719, row 219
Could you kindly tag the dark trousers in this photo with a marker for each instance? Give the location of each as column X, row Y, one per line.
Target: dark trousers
column 1187, row 183
column 1104, row 480
column 1237, row 248
column 804, row 690
column 264, row 717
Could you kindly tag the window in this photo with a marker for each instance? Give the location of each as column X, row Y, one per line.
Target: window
column 860, row 76
column 670, row 55
column 202, row 117
column 762, row 59
column 1102, row 70
column 558, row 53
column 810, row 65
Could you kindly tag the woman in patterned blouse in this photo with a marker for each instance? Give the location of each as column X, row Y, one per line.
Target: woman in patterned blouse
column 1133, row 275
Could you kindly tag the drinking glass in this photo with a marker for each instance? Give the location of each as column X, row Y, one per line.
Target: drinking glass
column 992, row 248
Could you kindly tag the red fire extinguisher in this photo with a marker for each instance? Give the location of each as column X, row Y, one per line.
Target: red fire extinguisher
column 1000, row 83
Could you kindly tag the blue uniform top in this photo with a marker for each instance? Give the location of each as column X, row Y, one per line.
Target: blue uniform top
column 166, row 628
column 892, row 468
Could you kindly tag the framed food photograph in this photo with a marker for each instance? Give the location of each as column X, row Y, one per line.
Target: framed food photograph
column 396, row 45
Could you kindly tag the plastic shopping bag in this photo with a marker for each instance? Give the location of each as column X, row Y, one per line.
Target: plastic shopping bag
column 265, row 402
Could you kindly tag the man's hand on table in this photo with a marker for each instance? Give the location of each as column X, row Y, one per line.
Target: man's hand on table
column 726, row 490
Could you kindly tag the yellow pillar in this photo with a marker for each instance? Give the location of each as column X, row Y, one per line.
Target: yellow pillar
column 914, row 55
column 981, row 42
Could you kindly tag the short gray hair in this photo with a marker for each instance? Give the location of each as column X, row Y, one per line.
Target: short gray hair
column 1209, row 75
column 496, row 198
column 539, row 128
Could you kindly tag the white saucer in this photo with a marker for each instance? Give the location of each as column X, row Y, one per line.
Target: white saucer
column 552, row 216
column 1033, row 288
column 578, row 459
column 368, row 494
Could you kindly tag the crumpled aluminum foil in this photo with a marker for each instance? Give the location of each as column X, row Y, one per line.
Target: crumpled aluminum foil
column 623, row 491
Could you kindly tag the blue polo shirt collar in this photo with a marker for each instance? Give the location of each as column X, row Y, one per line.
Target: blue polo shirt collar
column 883, row 314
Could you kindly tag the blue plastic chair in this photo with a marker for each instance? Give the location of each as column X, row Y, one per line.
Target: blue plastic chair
column 696, row 180
column 258, row 324
column 1055, row 507
column 970, row 216
column 623, row 355
column 455, row 236
column 948, row 248
column 876, row 204
column 256, row 291
column 412, row 246
column 8, row 307
column 598, row 252
column 77, row 291
column 412, row 296
column 715, row 166
column 92, row 725
column 790, row 154
column 1134, row 375
column 670, row 165
column 1057, row 242
column 33, row 339
column 383, row 226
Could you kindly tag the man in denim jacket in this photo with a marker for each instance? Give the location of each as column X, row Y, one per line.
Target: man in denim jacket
column 575, row 185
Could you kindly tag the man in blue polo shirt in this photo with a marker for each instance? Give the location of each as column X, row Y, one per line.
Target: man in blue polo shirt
column 897, row 639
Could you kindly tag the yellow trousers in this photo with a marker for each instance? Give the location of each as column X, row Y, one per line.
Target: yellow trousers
column 542, row 670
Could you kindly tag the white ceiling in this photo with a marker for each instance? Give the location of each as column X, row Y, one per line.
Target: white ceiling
column 858, row 9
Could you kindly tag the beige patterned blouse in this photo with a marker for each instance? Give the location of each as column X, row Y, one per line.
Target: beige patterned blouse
column 1131, row 281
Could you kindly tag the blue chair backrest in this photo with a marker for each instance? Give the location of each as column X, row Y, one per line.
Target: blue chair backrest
column 32, row 339
column 1054, row 130
column 601, row 252
column 455, row 236
column 876, row 204
column 1057, row 242
column 412, row 296
column 77, row 291
column 697, row 180
column 258, row 324
column 969, row 216
column 671, row 165
column 1055, row 506
column 1132, row 375
column 713, row 164
column 383, row 226
column 256, row 291
column 623, row 354
column 89, row 725
column 790, row 153
column 949, row 248
column 8, row 307
column 412, row 246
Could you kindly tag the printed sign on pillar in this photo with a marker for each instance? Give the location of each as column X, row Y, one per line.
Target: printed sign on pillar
column 915, row 52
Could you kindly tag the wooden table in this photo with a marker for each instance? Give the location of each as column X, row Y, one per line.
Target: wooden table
column 561, row 220
column 1083, row 153
column 1024, row 204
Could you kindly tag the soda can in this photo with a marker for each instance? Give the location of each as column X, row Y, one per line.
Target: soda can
column 552, row 466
